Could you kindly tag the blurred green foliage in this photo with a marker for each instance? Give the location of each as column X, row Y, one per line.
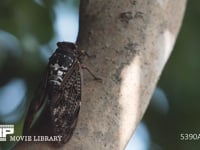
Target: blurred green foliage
column 27, row 18
column 32, row 25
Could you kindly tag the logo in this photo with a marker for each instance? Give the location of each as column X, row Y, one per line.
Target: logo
column 5, row 130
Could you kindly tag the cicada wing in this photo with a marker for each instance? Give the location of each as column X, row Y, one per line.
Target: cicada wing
column 65, row 112
column 36, row 104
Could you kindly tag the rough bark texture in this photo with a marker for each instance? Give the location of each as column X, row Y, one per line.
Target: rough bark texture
column 132, row 41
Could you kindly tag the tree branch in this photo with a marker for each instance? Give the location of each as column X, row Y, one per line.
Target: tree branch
column 132, row 41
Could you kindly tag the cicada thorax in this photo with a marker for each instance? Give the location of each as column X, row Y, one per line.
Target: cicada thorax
column 60, row 66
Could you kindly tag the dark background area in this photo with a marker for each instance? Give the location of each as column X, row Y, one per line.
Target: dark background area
column 181, row 85
column 27, row 39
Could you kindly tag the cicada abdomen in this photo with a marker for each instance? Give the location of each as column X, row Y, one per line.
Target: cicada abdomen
column 62, row 90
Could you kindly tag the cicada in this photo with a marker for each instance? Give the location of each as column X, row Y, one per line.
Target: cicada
column 60, row 92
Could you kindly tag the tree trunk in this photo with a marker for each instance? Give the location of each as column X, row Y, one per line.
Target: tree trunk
column 132, row 41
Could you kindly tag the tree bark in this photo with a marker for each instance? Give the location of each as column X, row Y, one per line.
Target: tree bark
column 132, row 41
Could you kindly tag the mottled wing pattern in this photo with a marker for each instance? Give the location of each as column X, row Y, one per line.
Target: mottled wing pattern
column 65, row 111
